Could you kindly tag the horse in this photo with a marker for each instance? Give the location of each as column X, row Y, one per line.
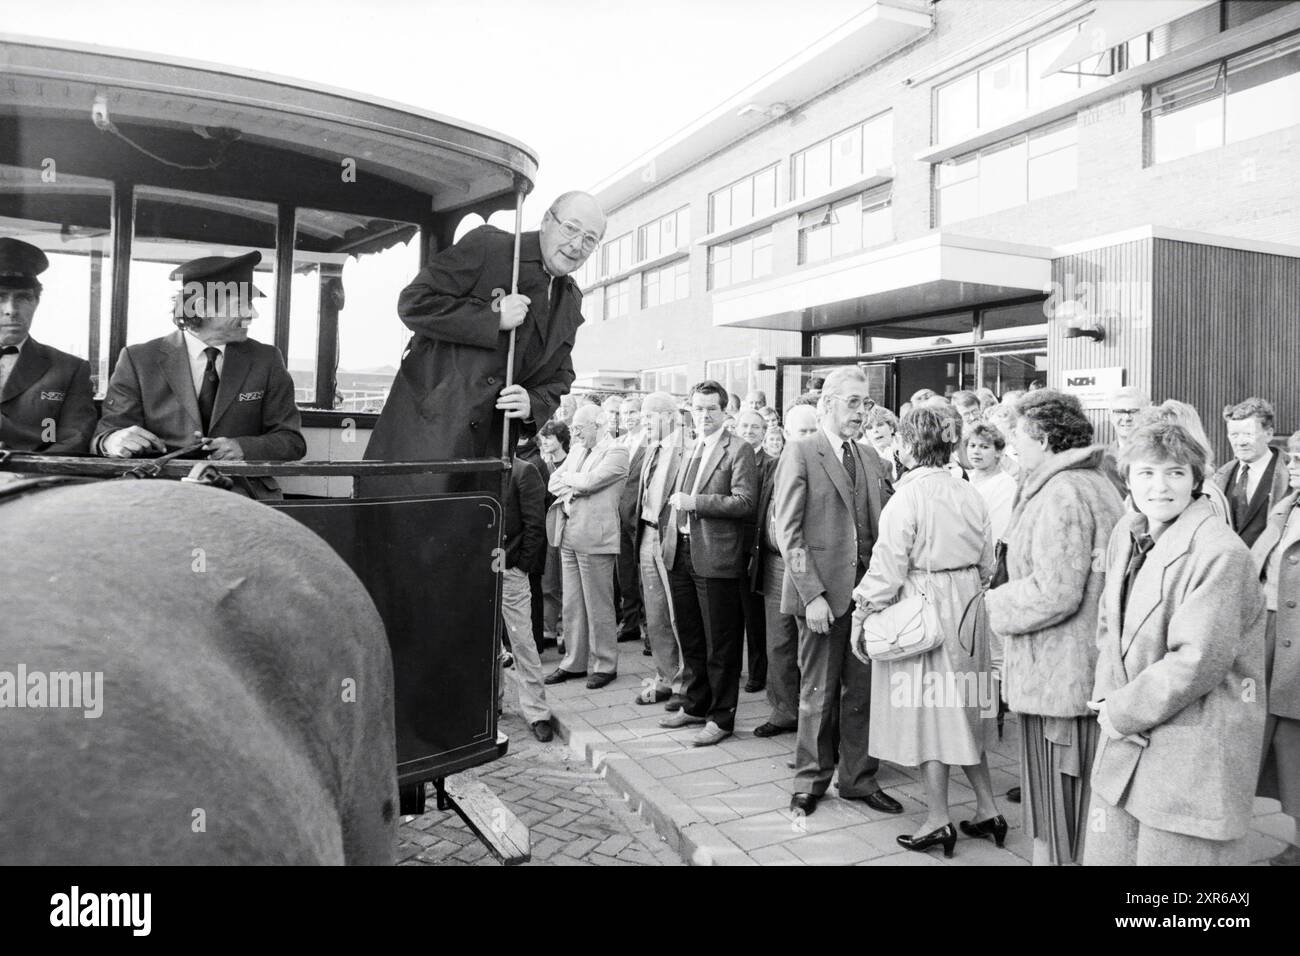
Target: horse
column 186, row 677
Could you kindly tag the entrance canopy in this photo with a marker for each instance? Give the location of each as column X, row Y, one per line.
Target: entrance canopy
column 887, row 287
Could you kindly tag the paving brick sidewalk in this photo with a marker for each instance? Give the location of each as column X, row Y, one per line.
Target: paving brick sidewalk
column 574, row 817
column 729, row 803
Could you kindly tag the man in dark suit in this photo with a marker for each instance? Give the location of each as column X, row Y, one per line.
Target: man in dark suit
column 627, row 574
column 829, row 492
column 1253, row 482
column 46, row 402
column 449, row 395
column 750, row 428
column 713, row 499
column 207, row 381
column 767, row 579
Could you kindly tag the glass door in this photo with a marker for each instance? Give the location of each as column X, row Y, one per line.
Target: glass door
column 941, row 372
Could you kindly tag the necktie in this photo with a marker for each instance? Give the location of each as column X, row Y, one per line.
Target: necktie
column 1142, row 544
column 9, row 350
column 556, row 291
column 688, row 482
column 1240, row 498
column 849, row 464
column 208, row 390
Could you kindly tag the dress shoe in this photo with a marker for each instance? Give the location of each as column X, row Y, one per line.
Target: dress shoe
column 653, row 695
column 804, row 803
column 996, row 827
column 945, row 836
column 597, row 681
column 1288, row 857
column 710, row 735
column 675, row 703
column 879, row 801
column 543, row 731
column 1014, row 794
column 754, row 686
column 680, row 719
column 770, row 729
column 559, row 676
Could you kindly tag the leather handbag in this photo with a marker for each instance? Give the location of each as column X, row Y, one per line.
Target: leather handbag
column 907, row 628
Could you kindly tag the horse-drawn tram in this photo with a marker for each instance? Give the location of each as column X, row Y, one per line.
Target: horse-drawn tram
column 120, row 168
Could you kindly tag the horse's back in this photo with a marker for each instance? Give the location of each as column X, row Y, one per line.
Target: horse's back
column 247, row 702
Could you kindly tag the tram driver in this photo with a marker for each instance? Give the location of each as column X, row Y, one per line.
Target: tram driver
column 46, row 402
column 207, row 383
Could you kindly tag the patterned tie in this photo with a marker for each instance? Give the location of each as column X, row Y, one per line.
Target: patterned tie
column 1240, row 498
column 688, row 482
column 849, row 464
column 208, row 390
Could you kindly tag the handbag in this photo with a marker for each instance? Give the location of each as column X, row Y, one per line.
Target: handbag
column 907, row 628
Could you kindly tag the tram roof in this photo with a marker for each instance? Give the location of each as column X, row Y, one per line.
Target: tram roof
column 456, row 163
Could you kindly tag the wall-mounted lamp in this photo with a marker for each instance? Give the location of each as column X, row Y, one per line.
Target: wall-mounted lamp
column 1096, row 333
column 756, row 359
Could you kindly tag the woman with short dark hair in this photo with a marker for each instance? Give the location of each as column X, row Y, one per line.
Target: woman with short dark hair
column 1181, row 636
column 934, row 710
column 1046, row 614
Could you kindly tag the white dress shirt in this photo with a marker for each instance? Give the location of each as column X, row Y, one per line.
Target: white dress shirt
column 656, row 483
column 7, row 363
column 1255, row 473
column 704, row 447
column 199, row 361
column 837, row 443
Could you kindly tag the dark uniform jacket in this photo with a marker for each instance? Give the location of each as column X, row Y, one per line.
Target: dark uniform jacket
column 47, row 385
column 442, row 404
column 152, row 387
column 1273, row 487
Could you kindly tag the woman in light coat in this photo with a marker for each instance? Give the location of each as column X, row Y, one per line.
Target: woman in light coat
column 1046, row 614
column 935, row 710
column 1181, row 640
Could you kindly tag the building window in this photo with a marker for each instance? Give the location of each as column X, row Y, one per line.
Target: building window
column 670, row 379
column 843, row 158
column 1226, row 102
column 618, row 299
column 735, row 375
column 334, row 272
column 666, row 234
column 742, row 201
column 669, row 284
column 861, row 222
column 749, row 257
column 616, row 255
column 589, row 274
column 1011, row 173
column 71, row 221
column 591, row 305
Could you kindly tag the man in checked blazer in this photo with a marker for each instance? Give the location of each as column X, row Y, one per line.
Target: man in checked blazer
column 714, row 498
column 829, row 491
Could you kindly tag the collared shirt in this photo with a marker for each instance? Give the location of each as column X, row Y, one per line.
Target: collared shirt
column 1255, row 473
column 7, row 362
column 705, row 448
column 656, row 485
column 199, row 361
column 837, row 443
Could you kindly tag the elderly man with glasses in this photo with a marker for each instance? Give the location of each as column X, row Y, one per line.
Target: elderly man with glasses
column 448, row 398
column 1124, row 404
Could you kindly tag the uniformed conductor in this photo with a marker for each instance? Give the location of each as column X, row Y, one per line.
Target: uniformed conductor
column 46, row 402
column 449, row 396
column 207, row 380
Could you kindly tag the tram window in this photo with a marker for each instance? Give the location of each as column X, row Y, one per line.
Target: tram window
column 70, row 219
column 173, row 227
column 347, row 272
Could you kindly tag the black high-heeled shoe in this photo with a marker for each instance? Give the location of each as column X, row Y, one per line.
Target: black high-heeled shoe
column 946, row 836
column 995, row 827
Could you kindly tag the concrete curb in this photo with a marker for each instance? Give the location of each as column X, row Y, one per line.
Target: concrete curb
column 691, row 837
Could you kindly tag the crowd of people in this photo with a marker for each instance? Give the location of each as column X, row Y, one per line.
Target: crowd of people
column 1132, row 604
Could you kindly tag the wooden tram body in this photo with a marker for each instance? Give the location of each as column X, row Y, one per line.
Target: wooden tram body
column 116, row 163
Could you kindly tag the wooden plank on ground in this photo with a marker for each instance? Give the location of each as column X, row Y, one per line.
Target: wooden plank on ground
column 490, row 820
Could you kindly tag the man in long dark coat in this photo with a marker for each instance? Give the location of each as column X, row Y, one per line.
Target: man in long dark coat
column 448, row 398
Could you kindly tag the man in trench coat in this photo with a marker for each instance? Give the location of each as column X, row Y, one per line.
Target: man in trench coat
column 448, row 398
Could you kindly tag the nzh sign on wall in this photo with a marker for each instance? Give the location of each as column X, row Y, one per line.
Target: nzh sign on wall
column 1092, row 385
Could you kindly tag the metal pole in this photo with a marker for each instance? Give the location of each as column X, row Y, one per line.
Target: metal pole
column 506, row 451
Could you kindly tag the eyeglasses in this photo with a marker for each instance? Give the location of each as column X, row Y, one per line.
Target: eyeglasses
column 854, row 403
column 1124, row 412
column 570, row 230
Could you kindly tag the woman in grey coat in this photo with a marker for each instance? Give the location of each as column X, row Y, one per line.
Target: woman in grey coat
column 1181, row 642
column 1046, row 614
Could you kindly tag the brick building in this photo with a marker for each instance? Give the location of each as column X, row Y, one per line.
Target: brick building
column 976, row 192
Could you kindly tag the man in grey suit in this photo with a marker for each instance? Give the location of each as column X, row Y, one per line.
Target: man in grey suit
column 829, row 492
column 583, row 524
column 713, row 499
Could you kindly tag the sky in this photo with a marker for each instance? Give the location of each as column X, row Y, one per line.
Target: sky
column 588, row 85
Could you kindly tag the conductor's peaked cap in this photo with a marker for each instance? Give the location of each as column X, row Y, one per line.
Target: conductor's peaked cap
column 222, row 269
column 20, row 264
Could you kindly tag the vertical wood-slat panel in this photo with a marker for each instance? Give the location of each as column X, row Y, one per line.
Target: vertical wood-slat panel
column 1114, row 284
column 1227, row 326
